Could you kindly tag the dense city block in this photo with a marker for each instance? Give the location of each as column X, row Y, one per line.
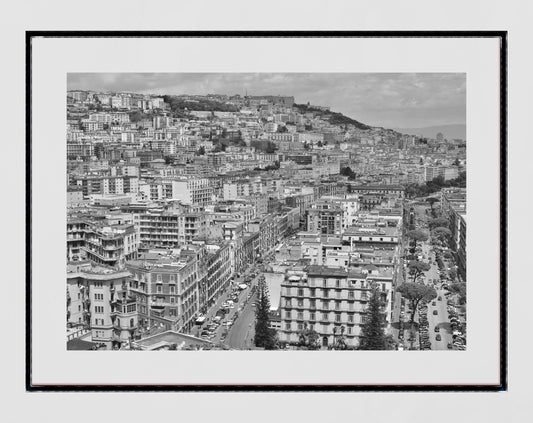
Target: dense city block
column 251, row 222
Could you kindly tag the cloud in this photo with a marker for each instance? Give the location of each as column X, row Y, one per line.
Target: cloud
column 382, row 99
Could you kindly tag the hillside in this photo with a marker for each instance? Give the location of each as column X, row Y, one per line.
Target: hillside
column 333, row 117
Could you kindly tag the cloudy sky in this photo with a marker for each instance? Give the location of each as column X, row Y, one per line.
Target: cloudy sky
column 406, row 100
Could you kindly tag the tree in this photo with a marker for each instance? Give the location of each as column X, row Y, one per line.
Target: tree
column 306, row 146
column 438, row 222
column 347, row 171
column 441, row 233
column 271, row 147
column 200, row 151
column 308, row 338
column 460, row 289
column 282, row 129
column 417, row 235
column 264, row 335
column 417, row 269
column 432, row 201
column 373, row 331
column 416, row 292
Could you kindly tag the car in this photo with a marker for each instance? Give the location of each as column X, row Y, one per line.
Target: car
column 433, row 303
column 437, row 329
column 438, row 337
column 450, row 346
column 435, row 312
column 440, row 298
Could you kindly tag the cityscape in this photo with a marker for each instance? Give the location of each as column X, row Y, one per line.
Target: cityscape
column 265, row 219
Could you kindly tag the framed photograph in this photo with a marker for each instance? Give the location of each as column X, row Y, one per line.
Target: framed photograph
column 267, row 211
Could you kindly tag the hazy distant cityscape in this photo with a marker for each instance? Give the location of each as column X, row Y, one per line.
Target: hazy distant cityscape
column 241, row 221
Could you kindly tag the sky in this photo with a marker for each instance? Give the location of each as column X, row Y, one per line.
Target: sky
column 390, row 100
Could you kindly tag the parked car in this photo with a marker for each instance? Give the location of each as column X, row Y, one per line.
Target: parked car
column 437, row 329
column 435, row 312
column 438, row 337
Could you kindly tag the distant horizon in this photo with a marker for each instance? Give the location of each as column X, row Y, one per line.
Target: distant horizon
column 388, row 100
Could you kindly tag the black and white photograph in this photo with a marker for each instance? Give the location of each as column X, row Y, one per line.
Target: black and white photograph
column 266, row 211
column 284, row 211
column 270, row 211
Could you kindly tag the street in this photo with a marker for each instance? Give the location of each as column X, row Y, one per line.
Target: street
column 242, row 332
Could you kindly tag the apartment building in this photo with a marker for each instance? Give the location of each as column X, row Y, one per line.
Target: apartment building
column 109, row 244
column 325, row 218
column 168, row 285
column 98, row 299
column 161, row 229
column 326, row 299
column 453, row 205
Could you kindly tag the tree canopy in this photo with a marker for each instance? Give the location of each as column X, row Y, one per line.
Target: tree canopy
column 416, row 292
column 347, row 171
column 441, row 233
column 418, row 268
column 417, row 235
column 308, row 338
column 265, row 336
column 373, row 330
column 439, row 221
column 460, row 289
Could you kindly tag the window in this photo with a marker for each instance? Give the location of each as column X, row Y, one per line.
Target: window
column 288, row 290
column 312, row 292
column 288, row 303
column 300, row 292
column 350, row 318
column 326, row 293
column 131, row 323
column 312, row 316
column 79, row 295
column 99, row 297
column 300, row 326
column 159, row 289
column 337, row 283
column 311, row 327
column 337, row 305
column 363, row 318
column 159, row 277
column 99, row 309
column 324, row 282
column 325, row 305
column 172, row 289
column 338, row 293
column 325, row 316
column 172, row 300
column 351, row 295
column 300, row 303
column 337, row 317
column 300, row 316
column 349, row 330
column 287, row 326
column 288, row 314
column 79, row 307
column 172, row 278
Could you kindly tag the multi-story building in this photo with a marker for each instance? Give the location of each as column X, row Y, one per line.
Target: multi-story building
column 453, row 205
column 98, row 299
column 168, row 285
column 107, row 184
column 325, row 299
column 171, row 229
column 325, row 218
column 111, row 245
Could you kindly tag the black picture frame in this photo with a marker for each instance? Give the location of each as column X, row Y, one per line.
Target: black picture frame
column 501, row 35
